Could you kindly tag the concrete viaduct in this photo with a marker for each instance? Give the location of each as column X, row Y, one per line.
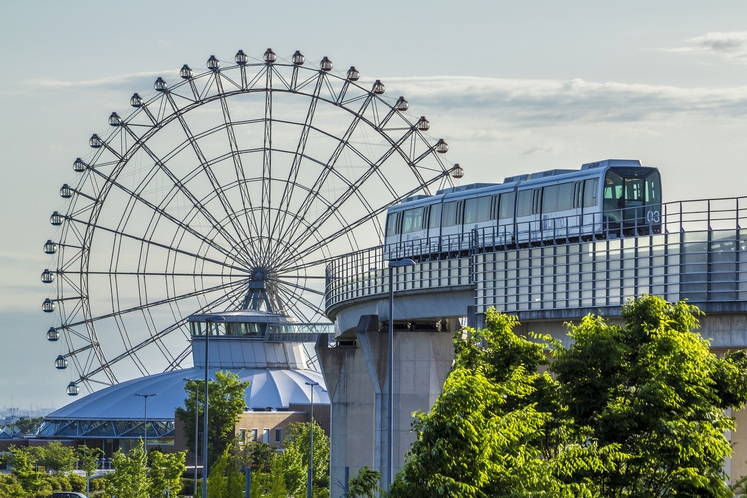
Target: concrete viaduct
column 701, row 257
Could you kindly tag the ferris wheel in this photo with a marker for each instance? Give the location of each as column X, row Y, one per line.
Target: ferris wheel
column 227, row 188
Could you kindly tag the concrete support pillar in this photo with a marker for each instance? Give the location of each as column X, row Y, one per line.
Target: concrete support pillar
column 356, row 377
column 351, row 413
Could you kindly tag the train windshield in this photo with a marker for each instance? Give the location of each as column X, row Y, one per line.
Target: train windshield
column 631, row 187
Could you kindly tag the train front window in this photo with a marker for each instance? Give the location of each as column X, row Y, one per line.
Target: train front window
column 613, row 191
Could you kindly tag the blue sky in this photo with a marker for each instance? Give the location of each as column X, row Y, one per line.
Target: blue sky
column 513, row 87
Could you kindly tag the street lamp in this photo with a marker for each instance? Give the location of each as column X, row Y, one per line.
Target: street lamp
column 197, row 406
column 390, row 363
column 145, row 417
column 208, row 320
column 311, row 385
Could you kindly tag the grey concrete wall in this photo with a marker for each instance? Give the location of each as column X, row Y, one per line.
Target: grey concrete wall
column 357, row 381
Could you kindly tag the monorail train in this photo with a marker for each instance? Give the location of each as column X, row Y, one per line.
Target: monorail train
column 604, row 199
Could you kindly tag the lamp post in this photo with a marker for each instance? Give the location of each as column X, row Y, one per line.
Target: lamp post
column 208, row 320
column 311, row 384
column 197, row 432
column 145, row 417
column 390, row 365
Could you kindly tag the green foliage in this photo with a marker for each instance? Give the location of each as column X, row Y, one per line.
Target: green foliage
column 633, row 411
column 227, row 398
column 56, row 457
column 165, row 472
column 295, row 457
column 87, row 457
column 255, row 454
column 130, row 476
column 364, row 484
column 27, row 424
column 226, row 478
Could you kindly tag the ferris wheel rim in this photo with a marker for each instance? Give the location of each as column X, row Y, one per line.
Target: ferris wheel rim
column 296, row 268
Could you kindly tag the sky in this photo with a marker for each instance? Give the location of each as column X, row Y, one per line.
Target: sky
column 513, row 87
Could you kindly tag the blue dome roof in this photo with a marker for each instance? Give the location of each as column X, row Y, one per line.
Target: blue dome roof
column 268, row 388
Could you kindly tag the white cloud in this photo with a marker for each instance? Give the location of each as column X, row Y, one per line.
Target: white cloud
column 549, row 102
column 730, row 46
column 118, row 83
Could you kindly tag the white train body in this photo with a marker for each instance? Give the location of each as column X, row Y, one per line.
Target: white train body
column 609, row 198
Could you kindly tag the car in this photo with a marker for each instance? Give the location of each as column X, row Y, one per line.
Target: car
column 67, row 494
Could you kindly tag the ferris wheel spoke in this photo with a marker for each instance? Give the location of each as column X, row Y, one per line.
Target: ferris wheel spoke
column 285, row 199
column 296, row 286
column 236, row 156
column 373, row 168
column 160, row 302
column 150, row 242
column 215, row 184
column 315, row 190
column 179, row 185
column 155, row 337
column 362, row 220
column 266, row 203
column 312, row 306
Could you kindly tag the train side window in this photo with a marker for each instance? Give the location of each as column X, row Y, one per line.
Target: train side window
column 392, row 224
column 565, row 196
column 470, row 211
column 434, row 219
column 591, row 194
column 506, row 206
column 413, row 220
column 449, row 214
column 524, row 204
column 550, row 199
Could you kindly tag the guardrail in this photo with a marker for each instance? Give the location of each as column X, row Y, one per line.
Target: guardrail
column 698, row 255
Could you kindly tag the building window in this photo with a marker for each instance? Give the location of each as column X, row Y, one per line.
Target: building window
column 278, row 435
column 266, row 436
column 255, row 433
column 242, row 436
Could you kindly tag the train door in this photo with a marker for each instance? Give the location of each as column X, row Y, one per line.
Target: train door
column 413, row 231
column 392, row 249
column 434, row 229
column 591, row 222
column 506, row 204
column 528, row 223
column 451, row 226
column 478, row 221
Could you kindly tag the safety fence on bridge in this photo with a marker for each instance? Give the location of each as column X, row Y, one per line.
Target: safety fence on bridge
column 701, row 255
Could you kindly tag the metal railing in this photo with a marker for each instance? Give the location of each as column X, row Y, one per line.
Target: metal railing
column 694, row 250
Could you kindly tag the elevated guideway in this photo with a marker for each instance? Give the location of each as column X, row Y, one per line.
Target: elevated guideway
column 701, row 256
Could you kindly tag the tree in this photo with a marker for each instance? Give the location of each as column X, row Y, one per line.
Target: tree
column 57, row 457
column 295, row 457
column 227, row 398
column 130, row 476
column 23, row 462
column 88, row 458
column 26, row 425
column 165, row 473
column 655, row 390
column 633, row 411
column 364, row 484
